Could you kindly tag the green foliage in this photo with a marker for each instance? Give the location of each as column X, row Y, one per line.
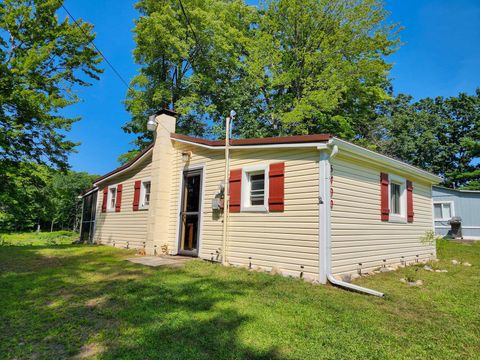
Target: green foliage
column 441, row 135
column 127, row 157
column 32, row 195
column 39, row 238
column 411, row 274
column 288, row 67
column 64, row 206
column 317, row 63
column 190, row 59
column 41, row 60
column 23, row 196
column 429, row 238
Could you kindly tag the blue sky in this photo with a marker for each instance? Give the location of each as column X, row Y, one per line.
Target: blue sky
column 440, row 55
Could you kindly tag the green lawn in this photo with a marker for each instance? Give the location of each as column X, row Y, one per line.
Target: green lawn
column 60, row 301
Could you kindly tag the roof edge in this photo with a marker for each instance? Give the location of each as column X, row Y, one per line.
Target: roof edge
column 458, row 190
column 385, row 160
column 280, row 140
column 167, row 112
column 125, row 166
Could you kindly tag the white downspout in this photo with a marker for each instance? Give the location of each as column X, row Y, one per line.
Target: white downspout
column 325, row 244
column 226, row 195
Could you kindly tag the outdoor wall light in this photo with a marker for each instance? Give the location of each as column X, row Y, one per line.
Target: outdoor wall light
column 151, row 124
column 186, row 156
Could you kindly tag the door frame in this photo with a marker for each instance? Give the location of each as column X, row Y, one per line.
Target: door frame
column 203, row 174
column 93, row 209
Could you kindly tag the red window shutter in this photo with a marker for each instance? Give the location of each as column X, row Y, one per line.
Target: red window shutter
column 118, row 202
column 409, row 201
column 136, row 194
column 276, row 187
column 104, row 200
column 235, row 186
column 384, row 210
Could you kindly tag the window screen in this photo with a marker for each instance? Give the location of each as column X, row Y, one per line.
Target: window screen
column 395, row 198
column 257, row 189
column 113, row 197
column 146, row 193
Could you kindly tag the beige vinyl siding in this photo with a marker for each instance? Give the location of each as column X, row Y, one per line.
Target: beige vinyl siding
column 286, row 239
column 127, row 226
column 358, row 234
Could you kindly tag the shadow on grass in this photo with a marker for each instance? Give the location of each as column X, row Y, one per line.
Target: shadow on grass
column 64, row 301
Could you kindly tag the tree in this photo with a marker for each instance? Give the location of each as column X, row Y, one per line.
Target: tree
column 190, row 54
column 33, row 194
column 319, row 65
column 23, row 199
column 441, row 135
column 64, row 204
column 41, row 60
column 288, row 67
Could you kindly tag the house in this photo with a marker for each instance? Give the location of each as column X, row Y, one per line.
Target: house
column 312, row 206
column 463, row 203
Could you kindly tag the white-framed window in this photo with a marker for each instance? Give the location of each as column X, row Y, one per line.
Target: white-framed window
column 112, row 197
column 145, row 194
column 255, row 188
column 443, row 210
column 397, row 199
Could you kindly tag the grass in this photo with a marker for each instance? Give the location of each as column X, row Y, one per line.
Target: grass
column 61, row 301
column 41, row 238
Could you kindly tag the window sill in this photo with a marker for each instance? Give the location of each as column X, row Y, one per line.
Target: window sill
column 397, row 219
column 257, row 209
column 143, row 208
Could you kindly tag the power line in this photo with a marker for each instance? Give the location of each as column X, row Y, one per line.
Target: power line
column 188, row 22
column 96, row 48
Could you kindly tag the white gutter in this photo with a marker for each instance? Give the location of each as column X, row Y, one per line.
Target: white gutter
column 325, row 243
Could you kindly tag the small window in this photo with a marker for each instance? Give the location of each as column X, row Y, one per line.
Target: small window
column 255, row 188
column 397, row 199
column 443, row 211
column 145, row 194
column 112, row 197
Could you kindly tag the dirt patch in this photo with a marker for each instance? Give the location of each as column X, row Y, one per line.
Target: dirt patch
column 89, row 350
column 97, row 302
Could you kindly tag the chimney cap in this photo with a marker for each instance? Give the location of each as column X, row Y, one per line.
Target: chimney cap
column 167, row 112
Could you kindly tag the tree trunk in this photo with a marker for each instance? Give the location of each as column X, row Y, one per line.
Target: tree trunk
column 51, row 226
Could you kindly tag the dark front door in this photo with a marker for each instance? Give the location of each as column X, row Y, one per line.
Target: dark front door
column 190, row 212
